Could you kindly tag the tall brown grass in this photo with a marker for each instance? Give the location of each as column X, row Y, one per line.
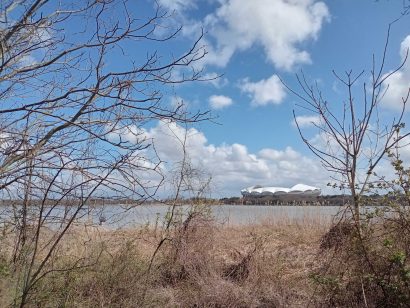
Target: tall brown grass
column 200, row 264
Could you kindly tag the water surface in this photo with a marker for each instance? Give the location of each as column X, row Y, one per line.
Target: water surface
column 117, row 216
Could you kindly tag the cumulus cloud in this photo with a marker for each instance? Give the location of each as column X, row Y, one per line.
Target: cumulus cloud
column 306, row 121
column 398, row 85
column 220, row 101
column 177, row 5
column 233, row 166
column 278, row 26
column 265, row 91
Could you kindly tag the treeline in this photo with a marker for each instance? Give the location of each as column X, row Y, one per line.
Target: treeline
column 325, row 200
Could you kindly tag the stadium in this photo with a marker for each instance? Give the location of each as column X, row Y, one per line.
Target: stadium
column 299, row 193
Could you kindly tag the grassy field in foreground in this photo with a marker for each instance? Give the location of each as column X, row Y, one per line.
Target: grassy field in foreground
column 197, row 262
column 200, row 264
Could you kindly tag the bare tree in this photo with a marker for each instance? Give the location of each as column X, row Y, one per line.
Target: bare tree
column 78, row 82
column 187, row 181
column 354, row 139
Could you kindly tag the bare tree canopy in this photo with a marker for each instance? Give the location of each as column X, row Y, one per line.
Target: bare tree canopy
column 354, row 138
column 65, row 93
column 79, row 81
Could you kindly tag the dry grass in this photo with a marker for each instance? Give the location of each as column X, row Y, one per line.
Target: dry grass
column 200, row 264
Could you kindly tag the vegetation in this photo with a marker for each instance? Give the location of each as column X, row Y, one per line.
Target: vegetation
column 205, row 264
column 366, row 252
column 202, row 265
column 64, row 116
column 72, row 118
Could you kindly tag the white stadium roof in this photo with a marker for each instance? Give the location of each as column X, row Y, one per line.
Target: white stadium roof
column 298, row 189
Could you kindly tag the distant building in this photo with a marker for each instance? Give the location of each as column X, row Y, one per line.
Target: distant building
column 299, row 190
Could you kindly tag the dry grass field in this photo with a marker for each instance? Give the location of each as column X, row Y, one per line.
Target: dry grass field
column 199, row 264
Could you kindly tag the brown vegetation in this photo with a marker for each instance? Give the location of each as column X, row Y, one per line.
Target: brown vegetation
column 201, row 265
column 367, row 267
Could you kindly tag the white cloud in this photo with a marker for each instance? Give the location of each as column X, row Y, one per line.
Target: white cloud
column 306, row 121
column 232, row 166
column 278, row 26
column 177, row 5
column 220, row 101
column 399, row 83
column 265, row 91
column 404, row 151
column 215, row 79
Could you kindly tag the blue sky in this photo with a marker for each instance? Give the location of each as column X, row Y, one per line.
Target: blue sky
column 252, row 44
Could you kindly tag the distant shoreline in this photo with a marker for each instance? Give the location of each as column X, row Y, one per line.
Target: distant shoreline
column 130, row 205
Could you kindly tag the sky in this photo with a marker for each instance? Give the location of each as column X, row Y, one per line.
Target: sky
column 257, row 47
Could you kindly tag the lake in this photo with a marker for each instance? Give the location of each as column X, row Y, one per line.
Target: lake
column 116, row 216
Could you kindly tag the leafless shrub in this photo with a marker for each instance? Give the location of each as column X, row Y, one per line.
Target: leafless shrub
column 188, row 253
column 370, row 268
column 354, row 139
column 337, row 235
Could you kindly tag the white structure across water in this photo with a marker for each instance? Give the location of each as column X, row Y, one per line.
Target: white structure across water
column 297, row 190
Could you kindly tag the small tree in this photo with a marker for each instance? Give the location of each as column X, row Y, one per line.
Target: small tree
column 354, row 141
column 368, row 264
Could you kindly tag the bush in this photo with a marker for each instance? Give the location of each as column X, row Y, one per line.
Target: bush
column 367, row 268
